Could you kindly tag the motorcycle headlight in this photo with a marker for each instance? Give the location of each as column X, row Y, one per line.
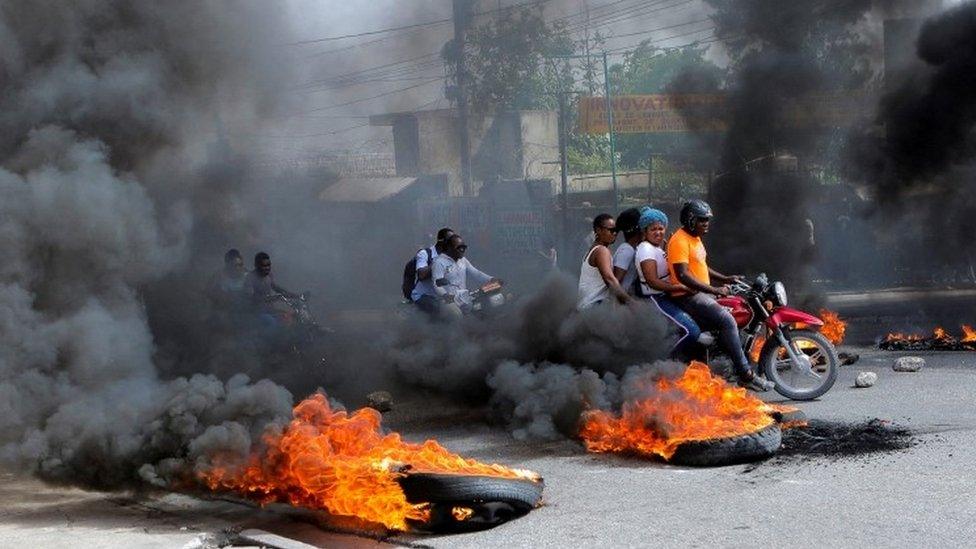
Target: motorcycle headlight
column 778, row 291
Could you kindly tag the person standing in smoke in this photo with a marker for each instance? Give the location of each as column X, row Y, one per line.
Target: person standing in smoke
column 596, row 281
column 451, row 272
column 655, row 280
column 424, row 295
column 624, row 268
column 686, row 264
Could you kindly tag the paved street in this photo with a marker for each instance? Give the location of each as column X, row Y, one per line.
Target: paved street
column 923, row 496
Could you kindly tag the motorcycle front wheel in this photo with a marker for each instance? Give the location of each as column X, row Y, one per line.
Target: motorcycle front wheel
column 800, row 381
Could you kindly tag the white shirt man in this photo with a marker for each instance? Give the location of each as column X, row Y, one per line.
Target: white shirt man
column 456, row 273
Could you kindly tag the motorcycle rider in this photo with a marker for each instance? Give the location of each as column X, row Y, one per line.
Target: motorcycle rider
column 424, row 295
column 451, row 272
column 227, row 286
column 687, row 264
column 596, row 281
column 624, row 268
column 655, row 280
column 261, row 284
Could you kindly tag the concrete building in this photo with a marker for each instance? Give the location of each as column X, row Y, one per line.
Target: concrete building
column 508, row 145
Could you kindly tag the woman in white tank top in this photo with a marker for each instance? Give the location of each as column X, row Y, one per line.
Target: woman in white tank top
column 596, row 281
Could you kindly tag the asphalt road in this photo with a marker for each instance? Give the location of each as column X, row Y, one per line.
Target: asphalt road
column 922, row 496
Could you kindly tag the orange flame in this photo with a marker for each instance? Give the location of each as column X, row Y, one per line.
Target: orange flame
column 939, row 335
column 342, row 463
column 834, row 328
column 696, row 406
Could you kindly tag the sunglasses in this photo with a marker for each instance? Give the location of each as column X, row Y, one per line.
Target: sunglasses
column 462, row 247
column 613, row 230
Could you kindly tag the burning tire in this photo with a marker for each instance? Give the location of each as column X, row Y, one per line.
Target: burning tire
column 791, row 381
column 792, row 416
column 470, row 502
column 728, row 451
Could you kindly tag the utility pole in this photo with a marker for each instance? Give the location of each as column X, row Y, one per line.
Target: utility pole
column 650, row 178
column 461, row 15
column 563, row 174
column 613, row 146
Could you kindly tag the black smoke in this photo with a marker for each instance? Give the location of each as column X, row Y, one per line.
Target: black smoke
column 766, row 185
column 105, row 123
column 921, row 166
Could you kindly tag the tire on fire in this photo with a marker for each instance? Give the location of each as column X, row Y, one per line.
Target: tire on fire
column 792, row 416
column 731, row 450
column 492, row 500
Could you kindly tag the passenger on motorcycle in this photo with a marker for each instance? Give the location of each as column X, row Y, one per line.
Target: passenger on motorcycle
column 451, row 272
column 262, row 287
column 596, row 281
column 424, row 295
column 624, row 268
column 655, row 281
column 687, row 264
column 227, row 290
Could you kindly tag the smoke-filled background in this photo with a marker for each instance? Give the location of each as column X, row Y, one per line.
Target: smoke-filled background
column 135, row 140
column 108, row 188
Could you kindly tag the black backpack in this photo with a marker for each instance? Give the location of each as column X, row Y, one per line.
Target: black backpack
column 410, row 274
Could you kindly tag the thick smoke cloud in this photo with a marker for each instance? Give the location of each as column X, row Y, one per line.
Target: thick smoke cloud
column 105, row 105
column 540, row 365
column 764, row 193
column 921, row 168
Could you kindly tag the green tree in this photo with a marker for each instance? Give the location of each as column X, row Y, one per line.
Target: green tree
column 509, row 61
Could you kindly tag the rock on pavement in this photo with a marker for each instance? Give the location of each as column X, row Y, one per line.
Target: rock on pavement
column 908, row 364
column 865, row 379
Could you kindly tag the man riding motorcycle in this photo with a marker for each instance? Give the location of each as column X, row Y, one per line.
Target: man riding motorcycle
column 687, row 264
column 261, row 284
column 451, row 272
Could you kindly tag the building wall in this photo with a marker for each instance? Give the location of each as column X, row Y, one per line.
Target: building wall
column 513, row 145
column 540, row 145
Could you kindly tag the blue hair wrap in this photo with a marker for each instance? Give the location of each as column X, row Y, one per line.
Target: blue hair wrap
column 649, row 216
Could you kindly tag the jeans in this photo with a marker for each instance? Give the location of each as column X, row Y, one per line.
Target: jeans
column 684, row 347
column 710, row 315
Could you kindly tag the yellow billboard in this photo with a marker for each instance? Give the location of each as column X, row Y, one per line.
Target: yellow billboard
column 679, row 113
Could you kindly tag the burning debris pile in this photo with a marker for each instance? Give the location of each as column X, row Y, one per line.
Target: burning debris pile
column 940, row 340
column 343, row 464
column 693, row 408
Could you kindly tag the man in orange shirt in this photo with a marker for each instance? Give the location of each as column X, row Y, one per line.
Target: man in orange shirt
column 687, row 265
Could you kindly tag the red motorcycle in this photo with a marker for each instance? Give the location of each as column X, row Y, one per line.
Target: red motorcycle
column 786, row 343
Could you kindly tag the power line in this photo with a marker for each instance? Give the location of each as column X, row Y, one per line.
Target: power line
column 664, row 28
column 368, row 33
column 664, row 39
column 391, row 92
column 407, row 27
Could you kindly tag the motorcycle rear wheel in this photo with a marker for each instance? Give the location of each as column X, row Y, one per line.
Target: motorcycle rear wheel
column 778, row 367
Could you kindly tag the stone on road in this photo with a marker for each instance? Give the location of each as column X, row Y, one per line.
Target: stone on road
column 908, row 364
column 865, row 380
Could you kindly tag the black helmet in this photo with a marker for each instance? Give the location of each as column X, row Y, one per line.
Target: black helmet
column 627, row 221
column 693, row 210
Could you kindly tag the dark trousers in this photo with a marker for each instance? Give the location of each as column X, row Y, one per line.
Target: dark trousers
column 429, row 304
column 712, row 316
